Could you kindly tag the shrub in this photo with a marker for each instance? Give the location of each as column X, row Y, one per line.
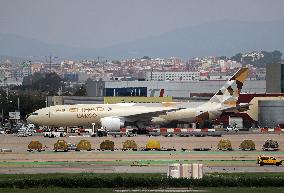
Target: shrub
column 144, row 181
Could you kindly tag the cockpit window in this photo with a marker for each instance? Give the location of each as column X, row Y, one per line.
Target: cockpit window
column 34, row 113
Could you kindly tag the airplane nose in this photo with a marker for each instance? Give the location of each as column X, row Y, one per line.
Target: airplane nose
column 30, row 119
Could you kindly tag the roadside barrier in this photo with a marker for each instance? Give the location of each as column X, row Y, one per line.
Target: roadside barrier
column 277, row 130
column 182, row 130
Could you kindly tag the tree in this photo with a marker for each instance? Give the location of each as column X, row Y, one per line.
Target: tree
column 276, row 56
column 81, row 91
column 29, row 102
column 237, row 57
column 49, row 82
column 146, row 58
column 116, row 62
column 247, row 59
column 223, row 57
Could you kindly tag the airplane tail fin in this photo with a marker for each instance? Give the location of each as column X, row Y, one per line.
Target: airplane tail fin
column 228, row 95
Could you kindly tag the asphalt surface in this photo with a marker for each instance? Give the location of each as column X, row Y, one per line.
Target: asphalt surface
column 21, row 161
column 132, row 169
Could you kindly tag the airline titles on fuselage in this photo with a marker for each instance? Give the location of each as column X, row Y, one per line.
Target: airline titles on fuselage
column 85, row 113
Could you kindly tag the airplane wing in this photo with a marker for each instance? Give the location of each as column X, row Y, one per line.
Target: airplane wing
column 237, row 109
column 149, row 115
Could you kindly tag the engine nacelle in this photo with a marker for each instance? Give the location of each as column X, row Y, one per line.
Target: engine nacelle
column 112, row 123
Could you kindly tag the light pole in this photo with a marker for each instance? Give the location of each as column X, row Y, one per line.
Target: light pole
column 2, row 117
column 18, row 104
column 46, row 101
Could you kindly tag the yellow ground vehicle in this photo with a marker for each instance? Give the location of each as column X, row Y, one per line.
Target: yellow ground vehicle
column 61, row 145
column 268, row 160
column 35, row 145
column 153, row 144
column 84, row 145
column 130, row 144
column 107, row 145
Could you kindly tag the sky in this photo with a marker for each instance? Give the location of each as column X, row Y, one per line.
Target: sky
column 98, row 24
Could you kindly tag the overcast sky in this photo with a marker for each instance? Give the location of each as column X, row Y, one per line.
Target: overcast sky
column 96, row 24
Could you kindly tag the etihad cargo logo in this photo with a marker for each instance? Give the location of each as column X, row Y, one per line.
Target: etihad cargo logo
column 84, row 110
column 85, row 113
column 86, row 116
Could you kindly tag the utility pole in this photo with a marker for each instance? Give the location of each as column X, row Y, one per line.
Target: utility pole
column 18, row 104
column 2, row 120
column 46, row 101
column 50, row 64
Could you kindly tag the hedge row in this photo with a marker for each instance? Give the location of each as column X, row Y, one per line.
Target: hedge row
column 145, row 182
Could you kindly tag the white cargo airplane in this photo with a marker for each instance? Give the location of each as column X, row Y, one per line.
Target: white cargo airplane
column 112, row 117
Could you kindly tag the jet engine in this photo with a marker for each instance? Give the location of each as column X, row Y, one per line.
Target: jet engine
column 112, row 123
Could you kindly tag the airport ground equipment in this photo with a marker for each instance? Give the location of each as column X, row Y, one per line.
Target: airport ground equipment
column 107, row 145
column 166, row 149
column 268, row 160
column 84, row 145
column 3, row 150
column 225, row 145
column 215, row 134
column 121, row 134
column 25, row 131
column 232, row 128
column 129, row 144
column 153, row 144
column 35, row 145
column 270, row 145
column 199, row 134
column 71, row 146
column 61, row 145
column 247, row 145
column 136, row 163
column 202, row 149
column 52, row 134
column 100, row 133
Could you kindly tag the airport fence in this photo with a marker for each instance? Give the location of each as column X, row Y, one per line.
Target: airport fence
column 121, row 181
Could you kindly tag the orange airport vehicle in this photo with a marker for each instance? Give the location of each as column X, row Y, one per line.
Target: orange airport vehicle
column 268, row 160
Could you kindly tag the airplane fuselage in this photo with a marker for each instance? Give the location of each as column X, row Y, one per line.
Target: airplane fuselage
column 87, row 114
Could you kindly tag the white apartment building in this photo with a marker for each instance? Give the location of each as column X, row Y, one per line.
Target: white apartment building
column 172, row 76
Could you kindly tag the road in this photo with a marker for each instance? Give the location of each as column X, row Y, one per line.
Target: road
column 129, row 169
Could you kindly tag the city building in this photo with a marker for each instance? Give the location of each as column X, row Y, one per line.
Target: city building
column 172, row 76
column 275, row 78
column 114, row 100
column 175, row 89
